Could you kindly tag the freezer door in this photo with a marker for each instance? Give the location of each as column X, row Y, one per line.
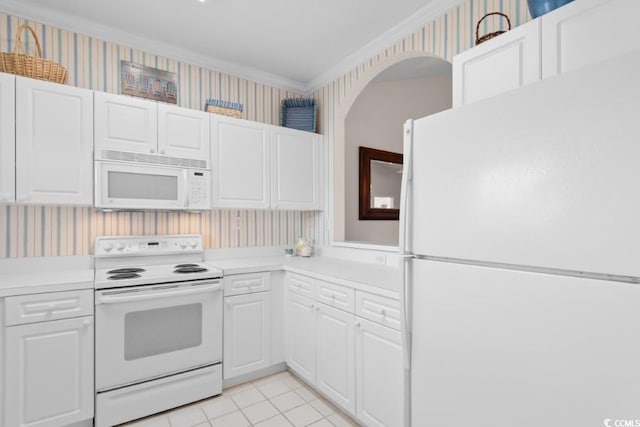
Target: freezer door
column 545, row 176
column 506, row 348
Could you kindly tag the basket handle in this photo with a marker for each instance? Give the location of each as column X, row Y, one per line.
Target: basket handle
column 19, row 45
column 489, row 14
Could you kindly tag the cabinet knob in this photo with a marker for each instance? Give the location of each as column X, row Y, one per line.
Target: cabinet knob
column 228, row 303
column 86, row 323
column 383, row 312
column 162, row 152
column 357, row 324
column 152, row 150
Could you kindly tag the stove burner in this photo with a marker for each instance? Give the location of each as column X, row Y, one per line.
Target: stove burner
column 122, row 276
column 186, row 265
column 126, row 270
column 195, row 269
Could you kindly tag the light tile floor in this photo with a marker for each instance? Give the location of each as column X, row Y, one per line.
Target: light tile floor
column 279, row 400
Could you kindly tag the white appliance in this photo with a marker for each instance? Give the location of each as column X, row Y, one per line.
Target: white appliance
column 135, row 184
column 158, row 317
column 521, row 235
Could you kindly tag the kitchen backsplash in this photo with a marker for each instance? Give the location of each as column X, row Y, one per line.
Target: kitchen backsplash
column 33, row 231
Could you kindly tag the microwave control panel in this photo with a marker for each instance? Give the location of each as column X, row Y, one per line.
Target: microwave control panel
column 199, row 190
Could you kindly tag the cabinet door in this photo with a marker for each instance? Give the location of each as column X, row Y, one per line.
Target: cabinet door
column 184, row 133
column 300, row 336
column 335, row 359
column 504, row 63
column 7, row 138
column 588, row 31
column 123, row 123
column 247, row 334
column 241, row 163
column 54, row 143
column 49, row 373
column 296, row 162
column 379, row 375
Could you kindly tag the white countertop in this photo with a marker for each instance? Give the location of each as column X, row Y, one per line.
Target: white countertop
column 20, row 276
column 377, row 278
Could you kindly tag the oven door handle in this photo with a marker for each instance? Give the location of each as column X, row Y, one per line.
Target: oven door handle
column 134, row 296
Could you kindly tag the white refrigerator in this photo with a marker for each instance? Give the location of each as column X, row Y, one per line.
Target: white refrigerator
column 520, row 230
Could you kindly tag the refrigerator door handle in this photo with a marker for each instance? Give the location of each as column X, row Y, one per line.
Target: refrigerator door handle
column 407, row 160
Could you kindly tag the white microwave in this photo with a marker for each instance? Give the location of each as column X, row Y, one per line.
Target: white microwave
column 137, row 186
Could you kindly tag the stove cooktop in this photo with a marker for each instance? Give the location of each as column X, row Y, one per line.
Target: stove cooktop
column 140, row 260
column 153, row 274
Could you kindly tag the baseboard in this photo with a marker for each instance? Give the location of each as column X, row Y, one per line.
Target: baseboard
column 273, row 369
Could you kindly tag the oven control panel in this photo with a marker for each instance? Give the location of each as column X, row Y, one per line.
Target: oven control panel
column 147, row 245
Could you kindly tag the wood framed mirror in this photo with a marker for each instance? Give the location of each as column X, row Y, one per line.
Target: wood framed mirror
column 380, row 182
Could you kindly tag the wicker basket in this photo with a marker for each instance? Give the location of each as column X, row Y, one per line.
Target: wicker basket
column 31, row 66
column 495, row 33
column 224, row 111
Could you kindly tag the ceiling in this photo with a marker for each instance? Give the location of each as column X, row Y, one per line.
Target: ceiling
column 298, row 45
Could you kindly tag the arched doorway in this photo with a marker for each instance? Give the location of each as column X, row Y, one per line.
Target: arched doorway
column 409, row 85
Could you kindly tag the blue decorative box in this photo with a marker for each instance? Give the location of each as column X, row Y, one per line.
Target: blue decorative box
column 299, row 113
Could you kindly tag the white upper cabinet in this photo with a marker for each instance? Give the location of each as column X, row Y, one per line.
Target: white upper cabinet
column 183, row 132
column 295, row 169
column 587, row 31
column 504, row 63
column 575, row 35
column 7, row 138
column 241, row 158
column 124, row 123
column 54, row 143
column 259, row 166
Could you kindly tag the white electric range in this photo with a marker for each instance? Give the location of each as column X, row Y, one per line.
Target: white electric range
column 158, row 310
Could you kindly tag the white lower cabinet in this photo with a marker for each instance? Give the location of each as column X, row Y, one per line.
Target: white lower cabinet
column 300, row 336
column 379, row 375
column 49, row 373
column 355, row 362
column 335, row 359
column 247, row 334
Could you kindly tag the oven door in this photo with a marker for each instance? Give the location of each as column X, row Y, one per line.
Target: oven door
column 152, row 331
column 136, row 186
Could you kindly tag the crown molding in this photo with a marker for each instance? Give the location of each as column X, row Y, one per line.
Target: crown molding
column 130, row 40
column 431, row 11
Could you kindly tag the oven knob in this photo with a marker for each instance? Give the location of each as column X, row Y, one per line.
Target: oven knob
column 107, row 247
column 183, row 244
column 120, row 246
column 193, row 244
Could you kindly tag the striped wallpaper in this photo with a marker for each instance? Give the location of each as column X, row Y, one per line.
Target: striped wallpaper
column 93, row 64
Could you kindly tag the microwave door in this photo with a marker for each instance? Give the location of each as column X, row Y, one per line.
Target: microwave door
column 122, row 186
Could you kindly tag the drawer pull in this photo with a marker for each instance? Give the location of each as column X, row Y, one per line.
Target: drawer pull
column 50, row 306
column 333, row 296
column 383, row 312
column 357, row 324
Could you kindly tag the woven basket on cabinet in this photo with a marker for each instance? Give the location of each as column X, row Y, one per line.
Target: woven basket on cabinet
column 31, row 66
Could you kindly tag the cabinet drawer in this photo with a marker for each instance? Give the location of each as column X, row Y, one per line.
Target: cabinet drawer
column 246, row 283
column 336, row 296
column 24, row 309
column 301, row 285
column 379, row 309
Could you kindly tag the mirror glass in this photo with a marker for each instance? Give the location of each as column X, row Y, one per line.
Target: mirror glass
column 386, row 179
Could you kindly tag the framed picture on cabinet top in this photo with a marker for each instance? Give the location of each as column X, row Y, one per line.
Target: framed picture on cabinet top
column 146, row 82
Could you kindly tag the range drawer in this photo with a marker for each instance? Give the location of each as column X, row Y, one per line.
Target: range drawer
column 23, row 309
column 376, row 308
column 336, row 296
column 246, row 283
column 301, row 285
